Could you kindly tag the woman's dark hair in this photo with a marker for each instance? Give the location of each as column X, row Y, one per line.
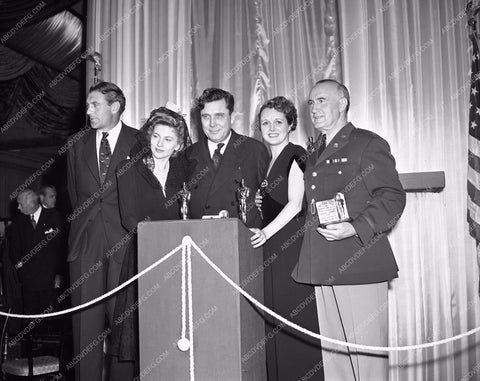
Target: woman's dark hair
column 166, row 117
column 283, row 105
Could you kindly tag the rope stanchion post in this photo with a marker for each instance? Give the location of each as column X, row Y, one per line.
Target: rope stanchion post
column 321, row 337
column 185, row 344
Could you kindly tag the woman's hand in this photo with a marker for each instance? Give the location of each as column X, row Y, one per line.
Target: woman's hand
column 258, row 238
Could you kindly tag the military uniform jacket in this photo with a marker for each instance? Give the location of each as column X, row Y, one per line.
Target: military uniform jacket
column 213, row 191
column 357, row 163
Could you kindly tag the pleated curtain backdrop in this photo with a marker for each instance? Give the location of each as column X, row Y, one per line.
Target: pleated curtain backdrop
column 406, row 64
column 146, row 50
column 160, row 51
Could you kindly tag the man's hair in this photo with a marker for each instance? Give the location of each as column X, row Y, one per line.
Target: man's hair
column 43, row 189
column 27, row 193
column 214, row 94
column 283, row 105
column 341, row 88
column 112, row 93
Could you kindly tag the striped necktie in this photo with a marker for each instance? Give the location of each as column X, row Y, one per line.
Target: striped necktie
column 104, row 157
column 217, row 156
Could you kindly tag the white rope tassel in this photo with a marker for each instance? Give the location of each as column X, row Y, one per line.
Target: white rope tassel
column 190, row 308
column 185, row 344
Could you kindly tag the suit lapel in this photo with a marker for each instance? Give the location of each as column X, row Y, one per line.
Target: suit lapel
column 231, row 160
column 337, row 143
column 90, row 153
column 121, row 151
column 201, row 155
column 39, row 230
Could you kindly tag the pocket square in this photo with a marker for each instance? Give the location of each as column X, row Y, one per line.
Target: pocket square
column 49, row 231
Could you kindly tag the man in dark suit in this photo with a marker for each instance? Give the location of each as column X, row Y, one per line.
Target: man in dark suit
column 350, row 262
column 36, row 251
column 95, row 225
column 222, row 159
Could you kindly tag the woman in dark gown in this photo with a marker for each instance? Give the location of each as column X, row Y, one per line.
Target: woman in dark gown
column 291, row 355
column 148, row 185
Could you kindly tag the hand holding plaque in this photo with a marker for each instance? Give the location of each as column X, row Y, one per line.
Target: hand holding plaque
column 332, row 211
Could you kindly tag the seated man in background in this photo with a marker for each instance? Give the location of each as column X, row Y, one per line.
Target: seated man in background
column 222, row 159
column 36, row 252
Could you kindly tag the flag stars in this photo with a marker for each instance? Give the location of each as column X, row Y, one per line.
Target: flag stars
column 473, row 124
column 474, row 91
column 477, row 111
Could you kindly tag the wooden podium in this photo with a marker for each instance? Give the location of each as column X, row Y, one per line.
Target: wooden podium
column 229, row 334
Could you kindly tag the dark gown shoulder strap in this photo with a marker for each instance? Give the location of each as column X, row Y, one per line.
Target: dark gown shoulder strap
column 299, row 154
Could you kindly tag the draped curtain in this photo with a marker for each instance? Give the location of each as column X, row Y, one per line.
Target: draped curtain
column 406, row 64
column 22, row 12
column 24, row 82
column 159, row 51
column 302, row 47
column 146, row 49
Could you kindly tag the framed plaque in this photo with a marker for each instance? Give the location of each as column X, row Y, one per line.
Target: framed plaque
column 332, row 211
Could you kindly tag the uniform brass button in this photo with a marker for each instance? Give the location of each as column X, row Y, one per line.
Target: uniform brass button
column 339, row 172
column 313, row 187
column 314, row 174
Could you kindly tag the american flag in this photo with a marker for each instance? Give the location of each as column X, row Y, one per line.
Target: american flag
column 473, row 184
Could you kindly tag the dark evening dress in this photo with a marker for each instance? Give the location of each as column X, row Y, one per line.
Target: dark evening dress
column 290, row 354
column 140, row 198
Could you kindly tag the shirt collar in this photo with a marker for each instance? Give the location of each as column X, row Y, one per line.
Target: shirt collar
column 112, row 138
column 112, row 133
column 212, row 146
column 36, row 215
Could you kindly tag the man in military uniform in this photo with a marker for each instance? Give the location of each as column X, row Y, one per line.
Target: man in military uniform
column 350, row 263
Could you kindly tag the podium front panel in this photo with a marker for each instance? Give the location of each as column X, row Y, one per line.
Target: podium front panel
column 229, row 332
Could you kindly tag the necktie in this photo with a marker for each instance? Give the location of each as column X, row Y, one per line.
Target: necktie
column 217, row 156
column 34, row 224
column 105, row 154
column 323, row 144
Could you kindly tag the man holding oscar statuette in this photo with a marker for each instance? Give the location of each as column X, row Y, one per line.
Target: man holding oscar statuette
column 224, row 164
